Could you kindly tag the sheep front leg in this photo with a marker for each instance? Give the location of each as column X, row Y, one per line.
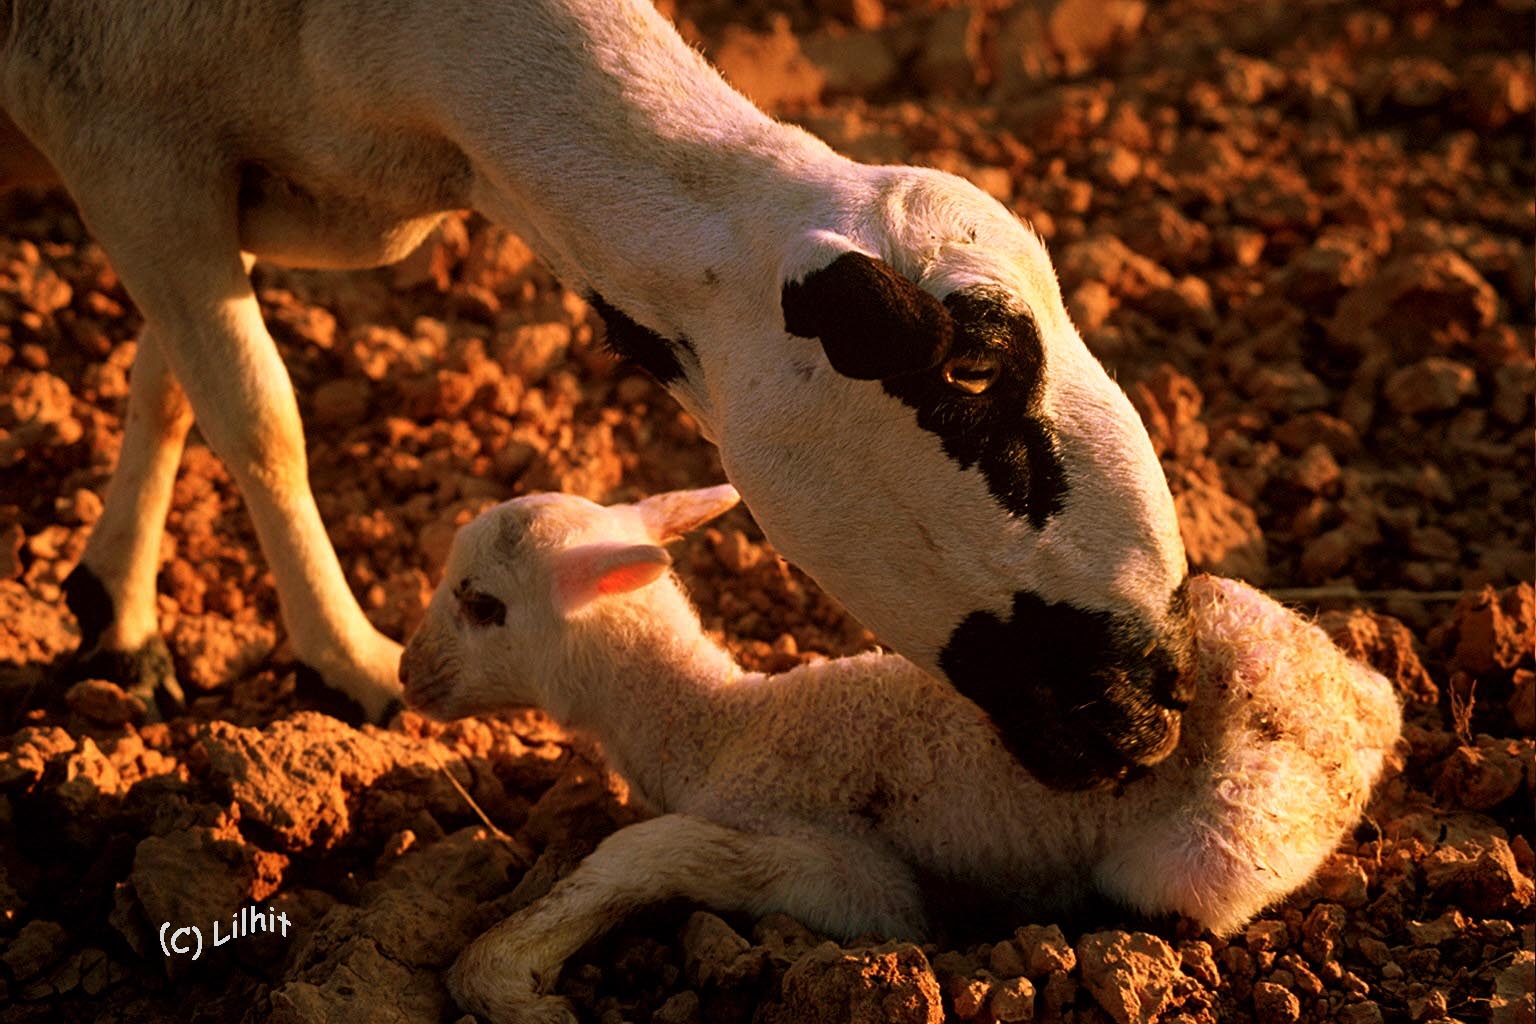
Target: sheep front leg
column 169, row 222
column 112, row 590
column 832, row 883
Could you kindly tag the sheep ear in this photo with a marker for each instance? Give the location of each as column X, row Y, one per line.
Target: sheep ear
column 872, row 322
column 584, row 574
column 670, row 515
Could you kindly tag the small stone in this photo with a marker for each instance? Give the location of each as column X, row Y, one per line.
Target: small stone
column 1012, row 1000
column 950, row 60
column 1367, row 1012
column 1045, row 950
column 768, row 66
column 531, row 351
column 681, row 1008
column 1483, row 776
column 888, row 984
column 1513, row 1000
column 1273, row 1004
column 1267, row 937
column 1340, row 879
column 1444, row 928
column 969, row 995
column 714, row 954
column 103, row 702
column 37, row 946
column 1006, row 960
column 1321, row 931
column 1130, row 975
column 1434, row 384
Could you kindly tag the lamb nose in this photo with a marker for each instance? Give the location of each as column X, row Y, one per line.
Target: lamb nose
column 404, row 670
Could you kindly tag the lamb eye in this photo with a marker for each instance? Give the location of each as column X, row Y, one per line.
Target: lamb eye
column 972, row 374
column 481, row 609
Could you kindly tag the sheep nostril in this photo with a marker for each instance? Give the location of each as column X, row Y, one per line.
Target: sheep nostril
column 404, row 671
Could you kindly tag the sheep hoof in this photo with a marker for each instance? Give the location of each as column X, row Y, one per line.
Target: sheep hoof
column 146, row 673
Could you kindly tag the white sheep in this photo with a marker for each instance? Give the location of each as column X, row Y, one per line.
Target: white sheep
column 825, row 322
column 827, row 791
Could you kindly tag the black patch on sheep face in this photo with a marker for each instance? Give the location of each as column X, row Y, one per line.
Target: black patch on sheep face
column 1079, row 696
column 875, row 324
column 998, row 430
column 871, row 322
column 637, row 343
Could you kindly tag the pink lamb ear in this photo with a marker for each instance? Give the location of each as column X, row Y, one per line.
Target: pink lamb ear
column 584, row 574
column 670, row 515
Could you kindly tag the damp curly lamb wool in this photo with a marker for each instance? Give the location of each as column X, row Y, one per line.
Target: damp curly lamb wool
column 836, row 791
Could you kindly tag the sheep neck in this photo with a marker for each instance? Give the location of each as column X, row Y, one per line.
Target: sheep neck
column 634, row 168
column 653, row 703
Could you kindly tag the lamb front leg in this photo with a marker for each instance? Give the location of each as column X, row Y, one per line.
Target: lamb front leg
column 832, row 883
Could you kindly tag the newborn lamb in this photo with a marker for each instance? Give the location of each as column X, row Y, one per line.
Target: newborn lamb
column 828, row 791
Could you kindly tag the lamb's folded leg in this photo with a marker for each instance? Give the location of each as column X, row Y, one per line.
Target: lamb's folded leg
column 832, row 883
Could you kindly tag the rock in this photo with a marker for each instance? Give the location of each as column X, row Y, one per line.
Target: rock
column 1340, row 879
column 496, row 258
column 1413, row 296
column 1522, row 701
column 866, row 14
column 1130, row 975
column 1012, row 1000
column 768, row 66
column 1491, row 630
column 1273, row 1004
column 1083, row 31
column 404, row 929
column 431, row 263
column 1479, row 874
column 1444, row 928
column 889, row 984
column 298, row 781
column 1434, row 384
column 1090, row 305
column 969, row 996
column 1513, row 1001
column 950, row 59
column 192, row 877
column 1386, row 645
column 681, row 1008
column 36, row 947
column 1045, row 949
column 531, row 351
column 1024, row 54
column 1006, row 960
column 1483, row 776
column 343, row 402
column 1221, row 534
column 103, row 702
column 1266, row 936
column 213, row 651
column 714, row 955
column 1365, row 1012
column 1322, row 931
column 852, row 62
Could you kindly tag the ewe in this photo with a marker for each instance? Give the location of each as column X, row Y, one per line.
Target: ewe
column 828, row 791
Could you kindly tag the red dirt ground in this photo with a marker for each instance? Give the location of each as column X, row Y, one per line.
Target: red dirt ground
column 1299, row 233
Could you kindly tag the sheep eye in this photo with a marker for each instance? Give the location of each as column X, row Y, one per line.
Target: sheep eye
column 481, row 609
column 972, row 374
